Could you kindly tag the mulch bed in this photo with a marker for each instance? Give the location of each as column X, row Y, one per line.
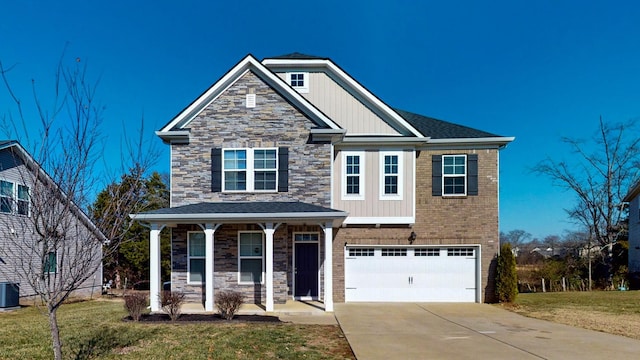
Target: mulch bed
column 191, row 318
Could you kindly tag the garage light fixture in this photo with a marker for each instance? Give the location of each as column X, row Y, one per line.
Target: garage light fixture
column 412, row 237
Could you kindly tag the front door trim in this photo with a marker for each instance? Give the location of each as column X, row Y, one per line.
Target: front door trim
column 293, row 269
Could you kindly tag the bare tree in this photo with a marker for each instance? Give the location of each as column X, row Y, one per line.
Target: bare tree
column 601, row 174
column 515, row 237
column 54, row 246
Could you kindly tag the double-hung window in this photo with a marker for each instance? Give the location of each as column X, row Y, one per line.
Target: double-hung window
column 196, row 257
column 391, row 175
column 299, row 81
column 454, row 175
column 353, row 175
column 6, row 196
column 250, row 169
column 250, row 257
column 23, row 200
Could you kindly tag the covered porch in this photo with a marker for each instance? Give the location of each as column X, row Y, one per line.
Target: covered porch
column 265, row 250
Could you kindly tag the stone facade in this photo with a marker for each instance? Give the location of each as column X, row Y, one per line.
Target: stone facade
column 225, row 266
column 439, row 221
column 227, row 123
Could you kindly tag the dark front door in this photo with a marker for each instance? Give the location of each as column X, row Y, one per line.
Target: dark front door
column 306, row 269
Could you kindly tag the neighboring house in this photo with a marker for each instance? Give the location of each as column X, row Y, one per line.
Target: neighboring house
column 290, row 180
column 20, row 246
column 633, row 198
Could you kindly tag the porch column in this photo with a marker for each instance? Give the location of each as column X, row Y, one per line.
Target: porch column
column 154, row 263
column 328, row 266
column 269, row 230
column 209, row 230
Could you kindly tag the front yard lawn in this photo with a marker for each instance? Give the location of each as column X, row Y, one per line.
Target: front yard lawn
column 614, row 312
column 94, row 329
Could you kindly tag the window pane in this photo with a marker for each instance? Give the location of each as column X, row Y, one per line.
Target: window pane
column 353, row 165
column 265, row 180
column 353, row 185
column 306, row 237
column 6, row 188
column 235, row 159
column 390, row 184
column 264, row 159
column 5, row 204
column 23, row 207
column 235, row 180
column 196, row 244
column 23, row 192
column 454, row 185
column 251, row 270
column 251, row 244
column 196, row 270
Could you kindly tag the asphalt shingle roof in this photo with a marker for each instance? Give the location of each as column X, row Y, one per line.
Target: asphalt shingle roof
column 296, row 55
column 439, row 129
column 269, row 207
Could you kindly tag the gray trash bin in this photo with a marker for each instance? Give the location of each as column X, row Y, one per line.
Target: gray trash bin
column 9, row 294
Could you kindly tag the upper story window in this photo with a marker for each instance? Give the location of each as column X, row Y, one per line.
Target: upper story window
column 250, row 169
column 6, row 196
column 9, row 192
column 50, row 265
column 299, row 81
column 454, row 175
column 391, row 175
column 353, row 175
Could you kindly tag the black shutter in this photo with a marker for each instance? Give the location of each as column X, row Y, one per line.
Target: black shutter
column 216, row 170
column 436, row 175
column 472, row 174
column 283, row 169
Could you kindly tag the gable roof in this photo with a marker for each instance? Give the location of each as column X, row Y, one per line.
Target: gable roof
column 296, row 55
column 176, row 129
column 301, row 61
column 16, row 148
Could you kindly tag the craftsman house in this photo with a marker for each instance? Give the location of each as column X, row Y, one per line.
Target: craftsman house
column 29, row 203
column 290, row 180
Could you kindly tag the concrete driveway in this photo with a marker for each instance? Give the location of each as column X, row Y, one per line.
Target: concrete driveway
column 469, row 331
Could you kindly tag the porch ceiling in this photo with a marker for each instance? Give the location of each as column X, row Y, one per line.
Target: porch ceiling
column 244, row 212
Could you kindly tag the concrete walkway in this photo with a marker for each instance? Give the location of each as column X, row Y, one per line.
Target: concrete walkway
column 469, row 331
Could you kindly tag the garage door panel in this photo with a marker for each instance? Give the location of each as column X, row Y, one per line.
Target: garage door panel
column 433, row 274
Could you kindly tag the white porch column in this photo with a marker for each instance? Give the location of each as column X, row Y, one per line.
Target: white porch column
column 269, row 230
column 154, row 263
column 328, row 266
column 209, row 230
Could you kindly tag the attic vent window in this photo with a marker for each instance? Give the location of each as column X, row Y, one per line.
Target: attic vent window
column 299, row 81
column 251, row 100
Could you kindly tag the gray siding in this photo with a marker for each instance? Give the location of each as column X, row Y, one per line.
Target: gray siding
column 634, row 235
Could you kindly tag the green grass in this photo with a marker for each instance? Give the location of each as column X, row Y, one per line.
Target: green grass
column 612, row 302
column 94, row 329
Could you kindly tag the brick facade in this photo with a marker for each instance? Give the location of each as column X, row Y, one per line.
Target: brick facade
column 439, row 220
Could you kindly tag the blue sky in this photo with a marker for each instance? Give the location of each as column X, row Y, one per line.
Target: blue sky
column 536, row 70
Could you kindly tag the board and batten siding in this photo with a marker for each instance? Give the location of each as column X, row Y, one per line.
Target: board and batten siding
column 372, row 206
column 342, row 107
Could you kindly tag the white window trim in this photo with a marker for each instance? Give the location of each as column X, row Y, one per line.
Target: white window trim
column 359, row 196
column 262, row 257
column 466, row 171
column 305, row 78
column 400, row 155
column 12, row 199
column 189, row 257
column 250, row 170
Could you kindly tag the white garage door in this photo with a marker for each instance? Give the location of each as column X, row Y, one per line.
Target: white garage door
column 435, row 274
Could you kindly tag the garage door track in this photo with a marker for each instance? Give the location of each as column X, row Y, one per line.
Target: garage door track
column 469, row 331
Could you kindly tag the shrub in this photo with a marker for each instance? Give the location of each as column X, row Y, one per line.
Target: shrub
column 171, row 302
column 135, row 304
column 228, row 303
column 506, row 276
